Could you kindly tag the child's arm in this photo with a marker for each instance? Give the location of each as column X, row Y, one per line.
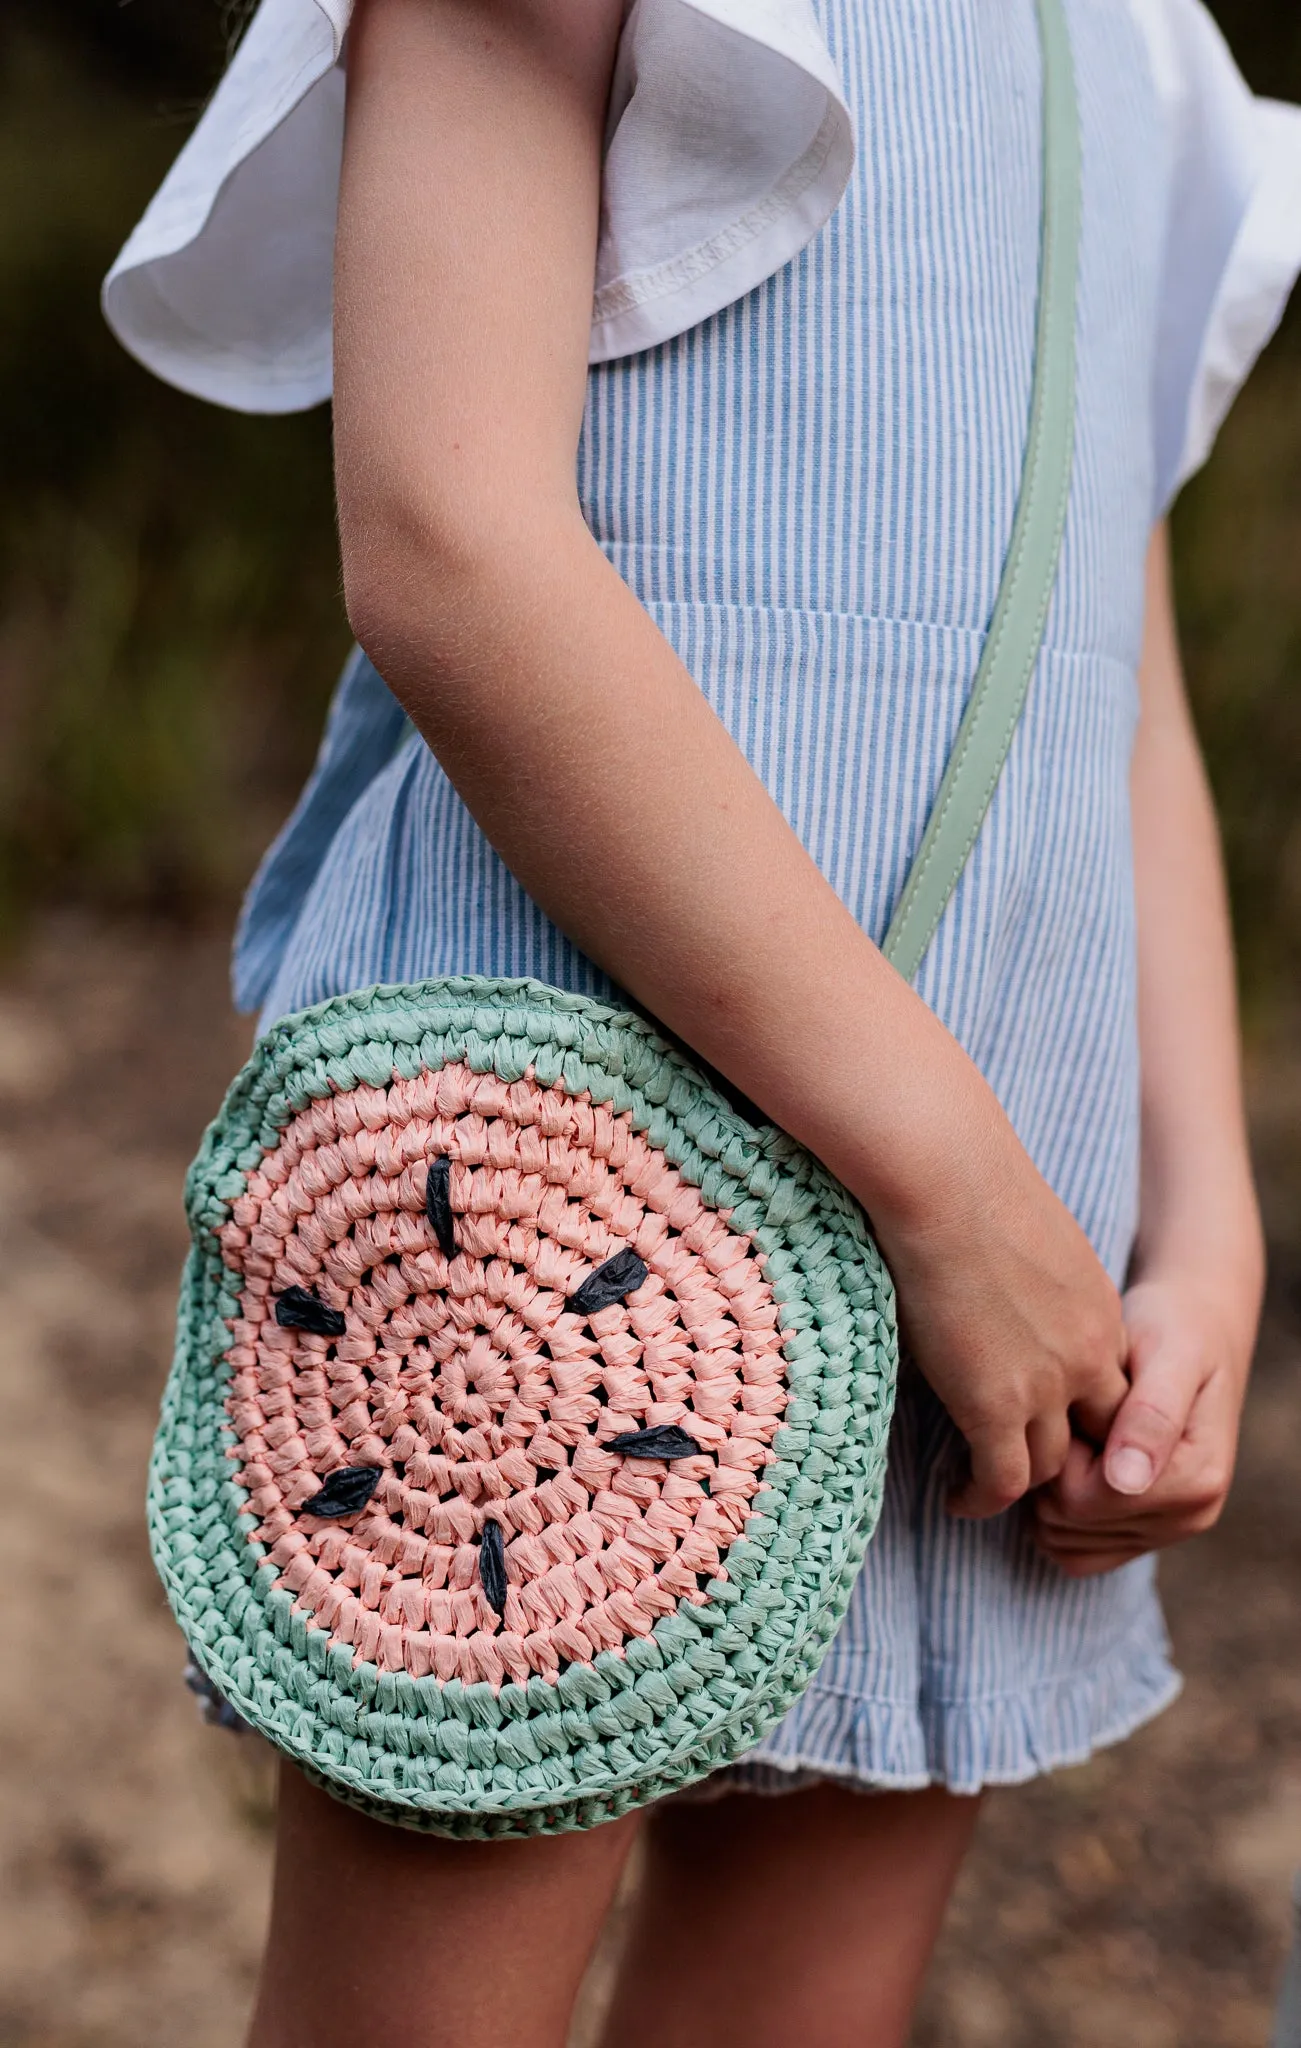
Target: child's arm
column 588, row 755
column 1191, row 1311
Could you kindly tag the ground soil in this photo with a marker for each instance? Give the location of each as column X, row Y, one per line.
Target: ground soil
column 1139, row 1900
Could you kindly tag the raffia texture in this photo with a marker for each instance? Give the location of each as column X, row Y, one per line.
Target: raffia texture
column 656, row 1617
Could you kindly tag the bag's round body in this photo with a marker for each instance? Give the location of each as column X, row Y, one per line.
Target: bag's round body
column 528, row 1416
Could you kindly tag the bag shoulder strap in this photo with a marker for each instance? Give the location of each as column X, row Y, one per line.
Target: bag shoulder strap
column 1016, row 630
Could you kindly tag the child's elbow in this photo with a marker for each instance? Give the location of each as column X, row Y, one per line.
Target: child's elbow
column 412, row 579
column 430, row 580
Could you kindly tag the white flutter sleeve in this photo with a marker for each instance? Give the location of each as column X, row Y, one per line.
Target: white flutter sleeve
column 729, row 146
column 1233, row 238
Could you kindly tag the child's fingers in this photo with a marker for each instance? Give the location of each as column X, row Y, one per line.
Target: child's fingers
column 1048, row 1438
column 1091, row 1564
column 1080, row 1513
column 1000, row 1475
column 1077, row 1491
column 1080, row 1549
column 1095, row 1409
column 1081, row 1509
column 1054, row 1532
column 1166, row 1376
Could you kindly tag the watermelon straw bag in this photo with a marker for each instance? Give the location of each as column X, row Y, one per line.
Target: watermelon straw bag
column 528, row 1416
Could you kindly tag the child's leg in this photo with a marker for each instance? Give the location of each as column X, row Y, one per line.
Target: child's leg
column 381, row 1935
column 808, row 1918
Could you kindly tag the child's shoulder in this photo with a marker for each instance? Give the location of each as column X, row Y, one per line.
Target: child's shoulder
column 730, row 145
column 731, row 141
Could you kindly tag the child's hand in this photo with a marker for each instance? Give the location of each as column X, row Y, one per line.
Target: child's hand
column 1165, row 1471
column 1012, row 1320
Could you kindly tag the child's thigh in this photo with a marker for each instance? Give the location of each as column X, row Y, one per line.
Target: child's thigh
column 804, row 1917
column 379, row 1934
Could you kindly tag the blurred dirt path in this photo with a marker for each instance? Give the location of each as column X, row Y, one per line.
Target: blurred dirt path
column 134, row 1877
column 1139, row 1902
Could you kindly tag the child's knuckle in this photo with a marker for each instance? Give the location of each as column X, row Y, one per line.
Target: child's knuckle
column 1098, row 1349
column 1209, row 1508
column 1199, row 1506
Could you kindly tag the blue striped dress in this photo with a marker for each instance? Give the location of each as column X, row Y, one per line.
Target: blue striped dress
column 811, row 493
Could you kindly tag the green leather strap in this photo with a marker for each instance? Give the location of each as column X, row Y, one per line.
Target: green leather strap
column 1016, row 630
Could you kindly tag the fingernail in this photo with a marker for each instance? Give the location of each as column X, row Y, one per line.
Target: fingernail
column 1129, row 1470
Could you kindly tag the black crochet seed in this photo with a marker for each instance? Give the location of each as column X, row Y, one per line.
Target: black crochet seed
column 666, row 1440
column 492, row 1566
column 297, row 1309
column 438, row 1205
column 345, row 1492
column 609, row 1283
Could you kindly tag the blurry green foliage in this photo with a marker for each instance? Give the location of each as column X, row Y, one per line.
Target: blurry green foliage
column 170, row 622
column 1237, row 531
column 1238, row 568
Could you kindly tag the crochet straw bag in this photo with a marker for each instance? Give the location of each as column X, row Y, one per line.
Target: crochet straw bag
column 528, row 1416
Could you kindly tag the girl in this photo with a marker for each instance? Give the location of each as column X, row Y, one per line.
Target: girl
column 679, row 714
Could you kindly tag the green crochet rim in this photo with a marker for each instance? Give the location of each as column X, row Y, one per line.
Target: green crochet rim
column 543, row 1757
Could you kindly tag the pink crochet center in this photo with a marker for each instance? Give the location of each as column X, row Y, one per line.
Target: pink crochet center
column 474, row 1387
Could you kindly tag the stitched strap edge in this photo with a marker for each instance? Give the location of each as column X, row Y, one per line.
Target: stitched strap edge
column 1015, row 638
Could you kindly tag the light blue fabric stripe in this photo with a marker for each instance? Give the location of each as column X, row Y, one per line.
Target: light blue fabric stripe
column 365, row 726
column 812, row 494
